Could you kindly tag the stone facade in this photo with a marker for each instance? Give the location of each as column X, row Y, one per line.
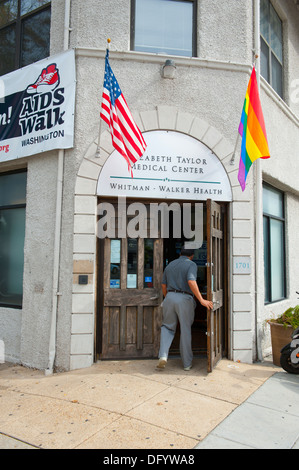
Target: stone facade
column 204, row 100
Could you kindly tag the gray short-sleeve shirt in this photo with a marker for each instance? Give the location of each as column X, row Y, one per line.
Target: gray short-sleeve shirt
column 177, row 274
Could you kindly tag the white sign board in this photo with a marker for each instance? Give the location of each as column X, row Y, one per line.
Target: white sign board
column 37, row 106
column 241, row 265
column 174, row 166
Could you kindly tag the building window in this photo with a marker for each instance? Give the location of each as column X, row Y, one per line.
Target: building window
column 274, row 244
column 24, row 33
column 164, row 27
column 271, row 46
column 12, row 235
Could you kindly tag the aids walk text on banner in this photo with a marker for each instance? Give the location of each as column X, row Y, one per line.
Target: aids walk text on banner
column 37, row 106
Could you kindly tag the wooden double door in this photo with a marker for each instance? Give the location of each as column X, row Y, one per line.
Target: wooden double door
column 129, row 296
column 217, row 319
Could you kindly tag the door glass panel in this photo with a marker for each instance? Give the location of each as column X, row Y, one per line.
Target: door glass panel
column 200, row 258
column 115, row 252
column 148, row 262
column 132, row 263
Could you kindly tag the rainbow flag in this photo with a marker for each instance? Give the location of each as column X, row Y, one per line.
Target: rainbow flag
column 252, row 130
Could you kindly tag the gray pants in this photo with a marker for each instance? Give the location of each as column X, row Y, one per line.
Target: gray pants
column 177, row 307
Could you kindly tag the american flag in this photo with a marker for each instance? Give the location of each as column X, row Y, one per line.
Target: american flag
column 126, row 137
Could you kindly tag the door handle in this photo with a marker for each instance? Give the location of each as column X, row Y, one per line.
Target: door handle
column 154, row 298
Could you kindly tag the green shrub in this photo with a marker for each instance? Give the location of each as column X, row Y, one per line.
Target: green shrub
column 289, row 317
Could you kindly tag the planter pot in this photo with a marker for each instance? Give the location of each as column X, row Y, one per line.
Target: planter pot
column 280, row 336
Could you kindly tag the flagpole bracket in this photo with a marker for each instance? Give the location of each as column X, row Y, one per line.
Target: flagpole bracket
column 255, row 57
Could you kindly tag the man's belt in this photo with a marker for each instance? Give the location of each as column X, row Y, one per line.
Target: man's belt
column 180, row 292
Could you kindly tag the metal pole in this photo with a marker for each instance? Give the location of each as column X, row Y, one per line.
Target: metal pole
column 98, row 152
column 259, row 269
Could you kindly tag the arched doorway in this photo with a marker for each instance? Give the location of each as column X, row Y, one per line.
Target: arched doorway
column 86, row 255
column 182, row 175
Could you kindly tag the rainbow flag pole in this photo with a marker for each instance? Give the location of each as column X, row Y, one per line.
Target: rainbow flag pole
column 258, row 203
column 252, row 130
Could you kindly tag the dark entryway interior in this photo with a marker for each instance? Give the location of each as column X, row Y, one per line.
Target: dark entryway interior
column 172, row 249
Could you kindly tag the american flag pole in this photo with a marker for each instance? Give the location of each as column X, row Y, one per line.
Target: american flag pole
column 98, row 152
column 126, row 137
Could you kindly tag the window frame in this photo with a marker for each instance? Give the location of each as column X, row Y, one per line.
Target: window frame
column 271, row 51
column 194, row 28
column 267, row 261
column 18, row 22
column 11, row 207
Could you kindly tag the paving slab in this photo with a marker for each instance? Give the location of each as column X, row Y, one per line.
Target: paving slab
column 281, row 393
column 212, row 441
column 9, row 443
column 229, row 382
column 189, row 413
column 268, row 419
column 52, row 423
column 260, row 429
column 124, row 404
column 130, row 433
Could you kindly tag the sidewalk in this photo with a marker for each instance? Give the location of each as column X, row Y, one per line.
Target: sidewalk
column 131, row 405
column 266, row 420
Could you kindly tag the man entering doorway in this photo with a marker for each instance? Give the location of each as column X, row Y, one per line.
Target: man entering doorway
column 179, row 287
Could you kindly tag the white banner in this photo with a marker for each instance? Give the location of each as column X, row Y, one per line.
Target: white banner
column 37, row 106
column 174, row 166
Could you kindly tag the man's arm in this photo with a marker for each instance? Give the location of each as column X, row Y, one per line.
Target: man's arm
column 164, row 289
column 194, row 287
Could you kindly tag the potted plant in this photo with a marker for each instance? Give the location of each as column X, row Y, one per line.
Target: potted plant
column 281, row 329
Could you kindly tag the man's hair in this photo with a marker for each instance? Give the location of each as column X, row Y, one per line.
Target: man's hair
column 187, row 252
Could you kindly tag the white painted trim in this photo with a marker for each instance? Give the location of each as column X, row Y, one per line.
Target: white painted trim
column 149, row 58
